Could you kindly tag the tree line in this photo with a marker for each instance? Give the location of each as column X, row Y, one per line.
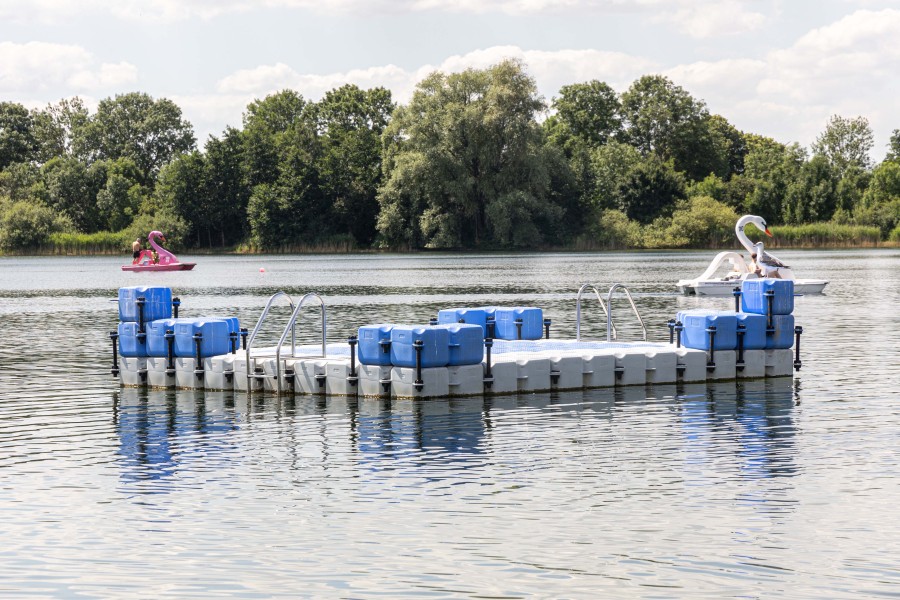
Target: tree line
column 472, row 161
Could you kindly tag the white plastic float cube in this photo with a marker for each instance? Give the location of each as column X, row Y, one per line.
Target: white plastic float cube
column 532, row 372
column 270, row 382
column 725, row 365
column 754, row 365
column 503, row 379
column 631, row 367
column 218, row 372
column 466, row 380
column 660, row 364
column 133, row 371
column 597, row 370
column 309, row 374
column 186, row 376
column 337, row 378
column 779, row 363
column 435, row 383
column 241, row 383
column 157, row 375
column 375, row 380
column 690, row 364
column 566, row 372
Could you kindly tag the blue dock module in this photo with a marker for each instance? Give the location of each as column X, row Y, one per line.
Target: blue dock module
column 375, row 344
column 755, row 292
column 519, row 323
column 213, row 342
column 469, row 316
column 754, row 330
column 132, row 342
column 156, row 336
column 696, row 329
column 466, row 344
column 435, row 349
column 157, row 303
column 782, row 334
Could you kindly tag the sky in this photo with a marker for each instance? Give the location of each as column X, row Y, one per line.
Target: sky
column 779, row 68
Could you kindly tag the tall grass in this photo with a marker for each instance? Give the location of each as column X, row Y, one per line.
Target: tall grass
column 102, row 242
column 818, row 235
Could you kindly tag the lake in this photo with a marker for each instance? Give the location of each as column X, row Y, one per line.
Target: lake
column 758, row 489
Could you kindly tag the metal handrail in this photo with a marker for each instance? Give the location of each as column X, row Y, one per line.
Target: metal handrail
column 259, row 324
column 290, row 326
column 617, row 286
column 578, row 313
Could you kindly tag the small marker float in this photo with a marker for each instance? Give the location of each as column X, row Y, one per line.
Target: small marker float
column 166, row 260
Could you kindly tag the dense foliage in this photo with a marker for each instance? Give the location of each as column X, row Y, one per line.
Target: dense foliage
column 476, row 159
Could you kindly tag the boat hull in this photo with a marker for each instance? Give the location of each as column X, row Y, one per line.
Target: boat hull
column 169, row 267
column 726, row 288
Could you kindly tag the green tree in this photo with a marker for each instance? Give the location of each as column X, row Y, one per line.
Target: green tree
column 650, row 190
column 27, row 224
column 465, row 163
column 71, row 189
column 268, row 126
column 769, row 168
column 589, row 112
column 120, row 196
column 20, row 181
column 894, row 147
column 17, row 141
column 662, row 118
column 610, row 165
column 182, row 190
column 350, row 122
column 845, row 143
column 229, row 191
column 57, row 126
column 701, row 222
column 812, row 196
column 149, row 132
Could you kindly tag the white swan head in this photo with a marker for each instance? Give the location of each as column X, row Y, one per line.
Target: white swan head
column 759, row 222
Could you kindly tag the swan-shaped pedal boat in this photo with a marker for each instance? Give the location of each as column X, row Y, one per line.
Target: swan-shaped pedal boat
column 712, row 284
column 166, row 261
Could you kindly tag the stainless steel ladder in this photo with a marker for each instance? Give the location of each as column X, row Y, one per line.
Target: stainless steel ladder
column 611, row 332
column 251, row 372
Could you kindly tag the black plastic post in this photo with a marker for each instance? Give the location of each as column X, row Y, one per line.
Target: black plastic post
column 353, row 378
column 198, row 365
column 679, row 327
column 490, row 327
column 385, row 346
column 232, row 337
column 176, row 302
column 488, row 376
column 433, row 321
column 741, row 331
column 114, row 336
column 671, row 325
column 140, row 304
column 547, row 323
column 170, row 351
column 737, row 299
column 244, row 333
column 797, row 331
column 770, row 300
column 518, row 323
column 711, row 353
column 418, row 345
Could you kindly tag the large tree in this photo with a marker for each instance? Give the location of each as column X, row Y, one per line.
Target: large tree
column 57, row 127
column 769, row 168
column 845, row 143
column 589, row 112
column 662, row 118
column 464, row 163
column 149, row 132
column 17, row 141
column 350, row 122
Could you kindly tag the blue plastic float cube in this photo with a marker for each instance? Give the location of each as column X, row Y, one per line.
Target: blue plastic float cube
column 375, row 344
column 130, row 344
column 532, row 323
column 754, row 299
column 782, row 335
column 695, row 333
column 466, row 344
column 471, row 316
column 157, row 303
column 156, row 336
column 435, row 348
column 754, row 330
column 214, row 341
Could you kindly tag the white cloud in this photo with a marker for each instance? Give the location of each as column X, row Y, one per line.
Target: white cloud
column 706, row 20
column 37, row 66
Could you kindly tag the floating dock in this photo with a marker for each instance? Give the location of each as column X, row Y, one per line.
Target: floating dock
column 506, row 366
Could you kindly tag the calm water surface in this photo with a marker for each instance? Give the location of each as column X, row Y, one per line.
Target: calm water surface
column 764, row 489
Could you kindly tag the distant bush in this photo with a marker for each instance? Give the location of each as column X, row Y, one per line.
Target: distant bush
column 26, row 225
column 612, row 231
column 894, row 236
column 700, row 222
column 102, row 242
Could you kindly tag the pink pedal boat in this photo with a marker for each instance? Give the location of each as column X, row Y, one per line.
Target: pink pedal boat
column 167, row 261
